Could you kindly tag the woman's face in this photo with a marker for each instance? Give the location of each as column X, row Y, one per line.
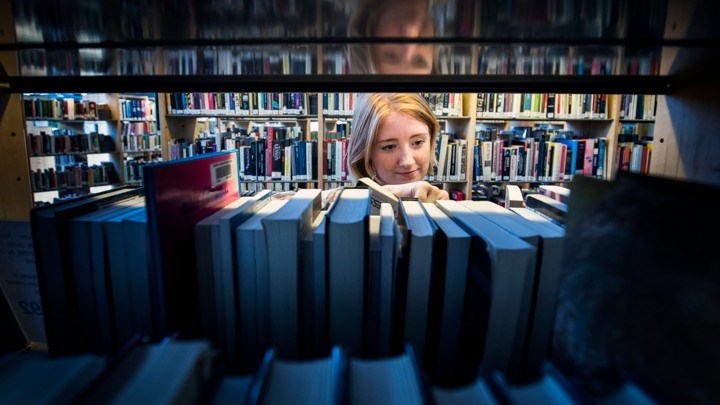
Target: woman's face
column 405, row 19
column 401, row 153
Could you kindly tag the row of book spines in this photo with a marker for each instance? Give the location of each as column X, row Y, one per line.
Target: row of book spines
column 286, row 160
column 46, row 144
column 566, row 65
column 545, row 65
column 60, row 108
column 338, row 103
column 249, row 62
column 133, row 169
column 452, row 160
column 539, row 160
column 445, row 104
column 542, row 105
column 335, row 63
column 241, row 103
column 72, row 176
column 638, row 106
column 138, row 128
column 137, row 108
column 140, row 142
column 633, row 157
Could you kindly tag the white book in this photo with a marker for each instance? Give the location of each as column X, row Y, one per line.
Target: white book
column 379, row 195
column 283, row 231
column 347, row 263
column 253, row 287
column 442, row 160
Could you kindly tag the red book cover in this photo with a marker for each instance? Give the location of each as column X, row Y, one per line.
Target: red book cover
column 178, row 194
column 268, row 151
column 589, row 152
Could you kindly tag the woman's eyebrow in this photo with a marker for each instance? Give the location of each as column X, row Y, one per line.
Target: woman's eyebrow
column 422, row 134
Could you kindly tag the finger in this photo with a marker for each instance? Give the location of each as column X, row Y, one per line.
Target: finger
column 437, row 194
column 421, row 193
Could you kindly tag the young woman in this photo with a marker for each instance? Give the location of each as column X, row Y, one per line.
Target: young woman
column 393, row 142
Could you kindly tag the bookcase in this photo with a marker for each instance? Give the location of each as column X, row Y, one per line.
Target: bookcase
column 72, row 144
column 139, row 139
column 200, row 59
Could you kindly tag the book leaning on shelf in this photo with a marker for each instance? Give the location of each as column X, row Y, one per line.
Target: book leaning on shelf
column 207, row 183
column 53, row 252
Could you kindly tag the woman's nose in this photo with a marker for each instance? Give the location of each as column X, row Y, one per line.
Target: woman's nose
column 406, row 156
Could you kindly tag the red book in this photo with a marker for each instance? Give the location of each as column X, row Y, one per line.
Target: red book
column 180, row 193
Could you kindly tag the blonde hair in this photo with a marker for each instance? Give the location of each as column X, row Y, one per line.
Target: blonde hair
column 370, row 111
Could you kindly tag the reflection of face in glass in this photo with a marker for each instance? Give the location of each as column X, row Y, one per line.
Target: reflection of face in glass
column 406, row 19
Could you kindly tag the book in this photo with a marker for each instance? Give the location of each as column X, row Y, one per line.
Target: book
column 137, row 241
column 545, row 290
column 549, row 388
column 559, row 193
column 119, row 271
column 54, row 265
column 253, row 286
column 416, row 272
column 207, row 183
column 347, row 252
column 231, row 389
column 93, row 289
column 170, row 372
column 390, row 242
column 35, row 377
column 513, row 196
column 283, row 231
column 477, row 392
column 547, row 207
column 314, row 381
column 372, row 317
column 378, row 195
column 394, row 379
column 541, row 288
column 314, row 283
column 451, row 250
column 216, row 260
column 500, row 265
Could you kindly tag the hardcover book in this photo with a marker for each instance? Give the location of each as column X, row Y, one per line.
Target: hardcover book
column 178, row 195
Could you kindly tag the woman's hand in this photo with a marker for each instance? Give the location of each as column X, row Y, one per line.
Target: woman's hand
column 422, row 190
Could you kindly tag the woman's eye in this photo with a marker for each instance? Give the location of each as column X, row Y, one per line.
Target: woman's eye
column 387, row 147
column 419, row 143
